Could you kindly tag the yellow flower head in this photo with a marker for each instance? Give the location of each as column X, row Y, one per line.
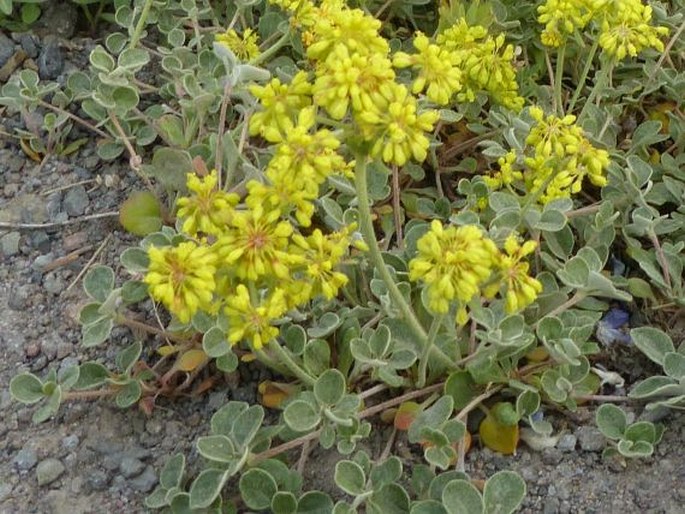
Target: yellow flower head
column 252, row 322
column 244, row 47
column 562, row 18
column 506, row 175
column 280, row 105
column 346, row 77
column 626, row 30
column 521, row 288
column 454, row 263
column 282, row 195
column 396, row 127
column 322, row 254
column 257, row 245
column 207, row 210
column 437, row 71
column 353, row 28
column 182, row 278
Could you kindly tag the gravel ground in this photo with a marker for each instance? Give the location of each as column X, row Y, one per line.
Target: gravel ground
column 94, row 458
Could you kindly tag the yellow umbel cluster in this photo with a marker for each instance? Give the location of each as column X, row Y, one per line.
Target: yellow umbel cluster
column 555, row 161
column 624, row 25
column 458, row 264
column 244, row 46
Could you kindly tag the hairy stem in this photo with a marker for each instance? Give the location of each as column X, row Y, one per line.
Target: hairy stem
column 138, row 31
column 285, row 359
column 583, row 75
column 558, row 79
column 423, row 362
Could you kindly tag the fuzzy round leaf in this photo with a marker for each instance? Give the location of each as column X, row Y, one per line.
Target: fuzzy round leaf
column 95, row 333
column 438, row 483
column 611, row 421
column 641, row 431
column 427, row 507
column 227, row 363
column 461, row 497
column 257, row 488
column 50, row 407
column 99, row 283
column 133, row 59
column 116, row 42
column 217, row 448
column 91, row 374
column 246, row 425
column 108, row 150
column 141, row 214
column 127, row 357
column 26, row 388
column 388, row 471
column 389, row 498
column 135, row 260
column 433, row 417
column 128, row 395
column 206, row 487
column 172, row 472
column 504, row 491
column 295, row 339
column 284, row 502
column 214, row 343
column 632, row 449
column 314, row 502
column 317, row 356
column 133, row 291
column 300, row 416
column 674, row 365
column 461, row 387
column 330, row 387
column 349, row 476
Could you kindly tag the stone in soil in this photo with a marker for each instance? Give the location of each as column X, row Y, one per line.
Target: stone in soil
column 6, row 49
column 567, row 443
column 25, row 459
column 144, row 482
column 50, row 61
column 9, row 244
column 48, row 471
column 29, row 43
column 76, row 201
column 590, row 439
column 131, row 467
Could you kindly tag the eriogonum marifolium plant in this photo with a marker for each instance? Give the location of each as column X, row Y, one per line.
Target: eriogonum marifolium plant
column 331, row 227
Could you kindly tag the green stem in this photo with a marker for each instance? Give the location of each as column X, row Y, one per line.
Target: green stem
column 557, row 80
column 583, row 75
column 269, row 52
column 284, row 358
column 141, row 24
column 423, row 363
column 600, row 83
column 366, row 228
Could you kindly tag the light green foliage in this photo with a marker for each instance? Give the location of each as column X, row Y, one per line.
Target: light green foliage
column 565, row 227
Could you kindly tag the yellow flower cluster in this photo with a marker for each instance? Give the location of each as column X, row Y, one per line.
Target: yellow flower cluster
column 244, row 47
column 556, row 160
column 249, row 261
column 485, row 62
column 626, row 29
column 461, row 263
column 562, row 18
column 624, row 25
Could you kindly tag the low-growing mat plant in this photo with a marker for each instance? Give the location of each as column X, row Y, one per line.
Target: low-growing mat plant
column 433, row 205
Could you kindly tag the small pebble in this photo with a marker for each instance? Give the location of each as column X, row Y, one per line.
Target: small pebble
column 146, row 481
column 76, row 201
column 6, row 48
column 98, row 480
column 567, row 443
column 25, row 459
column 70, row 442
column 131, row 467
column 9, row 244
column 48, row 471
column 50, row 61
column 591, row 439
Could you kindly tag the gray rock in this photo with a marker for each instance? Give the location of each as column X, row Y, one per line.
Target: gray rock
column 54, row 205
column 70, row 442
column 40, row 241
column 28, row 43
column 153, row 426
column 25, row 459
column 567, row 443
column 63, row 19
column 48, row 471
column 5, row 490
column 76, row 201
column 48, row 346
column 6, row 49
column 590, row 439
column 98, row 480
column 54, row 283
column 551, row 506
column 41, row 261
column 145, row 481
column 9, row 244
column 18, row 298
column 131, row 467
column 50, row 61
